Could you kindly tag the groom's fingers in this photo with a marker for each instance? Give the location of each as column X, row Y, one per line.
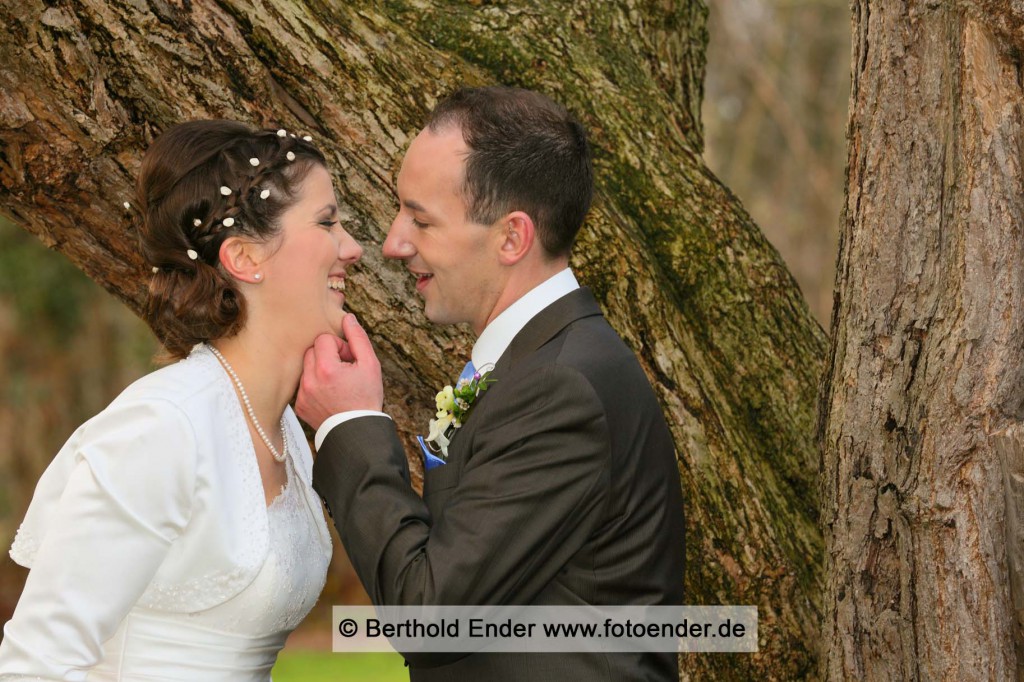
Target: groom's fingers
column 325, row 352
column 342, row 348
column 344, row 352
column 358, row 342
column 339, row 376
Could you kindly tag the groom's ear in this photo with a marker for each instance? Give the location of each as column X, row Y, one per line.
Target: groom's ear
column 241, row 258
column 518, row 236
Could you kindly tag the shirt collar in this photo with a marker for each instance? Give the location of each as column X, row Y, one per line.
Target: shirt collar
column 497, row 336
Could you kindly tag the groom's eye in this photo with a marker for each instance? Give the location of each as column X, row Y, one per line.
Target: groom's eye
column 418, row 224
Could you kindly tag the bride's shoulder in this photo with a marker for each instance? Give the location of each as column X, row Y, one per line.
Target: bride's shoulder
column 174, row 408
column 184, row 383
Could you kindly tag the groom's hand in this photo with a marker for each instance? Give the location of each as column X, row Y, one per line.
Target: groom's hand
column 339, row 376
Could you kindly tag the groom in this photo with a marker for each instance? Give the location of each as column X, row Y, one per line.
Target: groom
column 560, row 487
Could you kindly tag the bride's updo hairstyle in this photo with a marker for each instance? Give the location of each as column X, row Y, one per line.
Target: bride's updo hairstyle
column 202, row 182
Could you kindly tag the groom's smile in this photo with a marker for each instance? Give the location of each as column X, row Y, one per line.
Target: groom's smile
column 454, row 260
column 422, row 279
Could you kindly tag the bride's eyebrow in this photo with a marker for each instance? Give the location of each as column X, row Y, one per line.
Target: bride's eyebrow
column 328, row 211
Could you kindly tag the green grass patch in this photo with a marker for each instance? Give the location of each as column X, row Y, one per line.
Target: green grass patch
column 322, row 666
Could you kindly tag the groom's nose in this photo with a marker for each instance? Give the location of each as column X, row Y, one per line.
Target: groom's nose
column 397, row 244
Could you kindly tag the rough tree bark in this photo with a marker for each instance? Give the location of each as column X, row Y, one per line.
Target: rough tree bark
column 922, row 485
column 680, row 269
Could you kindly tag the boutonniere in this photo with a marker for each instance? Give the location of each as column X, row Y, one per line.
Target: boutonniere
column 453, row 406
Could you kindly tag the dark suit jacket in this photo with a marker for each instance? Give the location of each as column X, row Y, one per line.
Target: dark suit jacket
column 560, row 488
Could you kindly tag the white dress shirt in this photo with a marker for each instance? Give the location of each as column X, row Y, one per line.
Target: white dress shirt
column 495, row 338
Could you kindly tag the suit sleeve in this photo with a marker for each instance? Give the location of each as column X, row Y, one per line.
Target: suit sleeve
column 530, row 495
column 127, row 497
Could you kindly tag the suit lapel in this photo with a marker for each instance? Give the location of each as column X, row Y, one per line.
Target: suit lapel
column 549, row 322
column 544, row 326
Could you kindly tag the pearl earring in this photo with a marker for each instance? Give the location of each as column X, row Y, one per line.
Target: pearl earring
column 257, row 277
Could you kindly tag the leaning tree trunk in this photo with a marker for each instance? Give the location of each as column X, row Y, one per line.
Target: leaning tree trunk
column 926, row 376
column 680, row 269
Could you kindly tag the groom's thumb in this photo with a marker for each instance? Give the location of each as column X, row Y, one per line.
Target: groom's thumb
column 358, row 342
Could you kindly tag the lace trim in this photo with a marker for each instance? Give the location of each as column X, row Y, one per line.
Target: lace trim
column 301, row 560
column 215, row 587
column 24, row 548
column 302, row 460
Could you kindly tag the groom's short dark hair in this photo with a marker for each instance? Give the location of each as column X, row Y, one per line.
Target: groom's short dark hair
column 527, row 153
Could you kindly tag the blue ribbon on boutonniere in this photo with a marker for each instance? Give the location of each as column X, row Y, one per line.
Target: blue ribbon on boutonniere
column 453, row 406
column 430, row 460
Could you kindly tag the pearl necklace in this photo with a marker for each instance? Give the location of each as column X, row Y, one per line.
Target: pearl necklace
column 278, row 456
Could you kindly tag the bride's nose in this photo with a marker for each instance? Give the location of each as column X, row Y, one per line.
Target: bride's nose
column 349, row 250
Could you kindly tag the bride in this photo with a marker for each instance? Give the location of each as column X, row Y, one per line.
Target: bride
column 176, row 536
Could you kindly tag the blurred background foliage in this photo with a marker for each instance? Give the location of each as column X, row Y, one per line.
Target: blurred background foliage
column 774, row 113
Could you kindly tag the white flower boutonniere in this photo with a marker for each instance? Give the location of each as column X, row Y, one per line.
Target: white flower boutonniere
column 453, row 406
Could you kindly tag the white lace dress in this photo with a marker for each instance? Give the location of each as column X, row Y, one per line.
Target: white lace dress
column 154, row 555
column 239, row 639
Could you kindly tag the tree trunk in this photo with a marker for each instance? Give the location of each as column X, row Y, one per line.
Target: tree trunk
column 680, row 269
column 921, row 458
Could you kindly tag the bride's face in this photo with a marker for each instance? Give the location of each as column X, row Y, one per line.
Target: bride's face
column 303, row 277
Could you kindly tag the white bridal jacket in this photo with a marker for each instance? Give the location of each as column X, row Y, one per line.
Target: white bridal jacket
column 153, row 553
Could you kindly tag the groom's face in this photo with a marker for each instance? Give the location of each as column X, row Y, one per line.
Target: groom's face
column 454, row 260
